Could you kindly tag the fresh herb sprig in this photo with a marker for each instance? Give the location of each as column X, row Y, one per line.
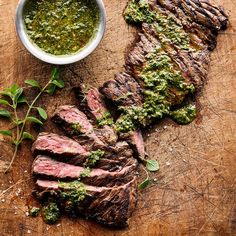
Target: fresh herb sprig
column 152, row 166
column 14, row 96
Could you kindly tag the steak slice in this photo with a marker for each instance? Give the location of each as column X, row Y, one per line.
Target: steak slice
column 92, row 103
column 205, row 13
column 123, row 90
column 135, row 139
column 196, row 30
column 46, row 167
column 76, row 125
column 95, row 103
column 58, row 146
column 110, row 206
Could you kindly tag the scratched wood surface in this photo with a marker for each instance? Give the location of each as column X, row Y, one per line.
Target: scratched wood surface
column 195, row 189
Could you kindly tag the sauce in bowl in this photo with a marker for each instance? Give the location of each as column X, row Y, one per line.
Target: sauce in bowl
column 61, row 27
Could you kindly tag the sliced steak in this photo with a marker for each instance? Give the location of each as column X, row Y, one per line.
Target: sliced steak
column 46, row 167
column 76, row 125
column 95, row 103
column 135, row 139
column 109, row 206
column 58, row 146
column 69, row 151
column 92, row 103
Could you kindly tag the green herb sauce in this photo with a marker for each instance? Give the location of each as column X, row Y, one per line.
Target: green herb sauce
column 85, row 173
column 94, row 157
column 34, row 211
column 51, row 213
column 106, row 119
column 164, row 87
column 166, row 27
column 138, row 11
column 72, row 193
column 61, row 27
column 184, row 115
column 75, row 129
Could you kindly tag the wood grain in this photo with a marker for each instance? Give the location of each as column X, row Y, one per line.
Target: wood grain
column 195, row 189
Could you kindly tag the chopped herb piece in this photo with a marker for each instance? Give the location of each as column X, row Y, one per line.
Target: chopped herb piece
column 106, row 119
column 94, row 157
column 184, row 115
column 51, row 213
column 34, row 211
column 85, row 173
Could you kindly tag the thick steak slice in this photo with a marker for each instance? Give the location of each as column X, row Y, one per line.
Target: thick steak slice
column 59, row 146
column 109, row 206
column 92, row 103
column 123, row 90
column 76, row 124
column 135, row 139
column 95, row 103
column 44, row 166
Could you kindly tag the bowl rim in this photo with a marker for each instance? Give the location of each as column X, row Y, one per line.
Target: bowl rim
column 61, row 59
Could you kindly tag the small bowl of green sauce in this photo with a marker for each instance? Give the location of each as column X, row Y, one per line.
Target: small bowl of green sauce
column 60, row 31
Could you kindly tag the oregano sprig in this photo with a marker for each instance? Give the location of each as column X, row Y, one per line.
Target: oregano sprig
column 13, row 96
column 152, row 166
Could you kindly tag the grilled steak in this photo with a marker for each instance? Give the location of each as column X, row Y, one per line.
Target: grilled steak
column 168, row 63
column 46, row 167
column 107, row 205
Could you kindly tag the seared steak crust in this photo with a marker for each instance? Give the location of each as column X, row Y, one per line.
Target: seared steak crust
column 110, row 206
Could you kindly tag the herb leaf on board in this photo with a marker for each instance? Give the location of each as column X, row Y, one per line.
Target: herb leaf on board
column 152, row 165
column 42, row 113
column 144, row 184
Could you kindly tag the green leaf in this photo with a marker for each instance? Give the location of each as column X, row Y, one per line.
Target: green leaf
column 55, row 74
column 4, row 102
column 18, row 93
column 144, row 184
column 18, row 122
column 42, row 113
column 51, row 89
column 32, row 83
column 6, row 132
column 59, row 83
column 13, row 89
column 152, row 165
column 5, row 113
column 22, row 99
column 27, row 135
column 6, row 93
column 34, row 120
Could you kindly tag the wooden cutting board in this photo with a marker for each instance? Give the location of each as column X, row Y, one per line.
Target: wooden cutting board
column 195, row 189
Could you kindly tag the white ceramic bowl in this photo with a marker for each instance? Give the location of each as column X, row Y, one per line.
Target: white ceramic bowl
column 64, row 59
